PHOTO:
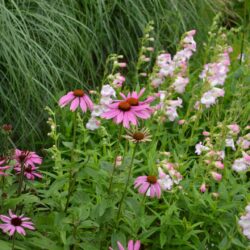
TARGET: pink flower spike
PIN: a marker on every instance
(15, 223)
(216, 176)
(149, 185)
(77, 98)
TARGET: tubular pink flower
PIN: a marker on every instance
(149, 185)
(27, 158)
(29, 172)
(15, 223)
(127, 111)
(216, 176)
(131, 245)
(76, 98)
(203, 188)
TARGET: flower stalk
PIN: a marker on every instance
(127, 183)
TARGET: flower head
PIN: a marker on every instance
(149, 185)
(27, 158)
(77, 98)
(244, 222)
(131, 245)
(138, 135)
(127, 111)
(14, 223)
(30, 172)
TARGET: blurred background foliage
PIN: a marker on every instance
(48, 47)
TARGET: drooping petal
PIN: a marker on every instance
(74, 104)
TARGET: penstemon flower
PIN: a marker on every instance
(131, 245)
(15, 223)
(77, 98)
(148, 185)
(244, 222)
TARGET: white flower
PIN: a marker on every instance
(106, 100)
(165, 180)
(93, 124)
(244, 222)
(176, 103)
(208, 99)
(107, 90)
(199, 148)
(230, 143)
(97, 111)
(243, 143)
(171, 113)
(180, 84)
(240, 165)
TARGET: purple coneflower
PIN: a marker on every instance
(77, 98)
(127, 111)
(149, 185)
(3, 167)
(27, 158)
(29, 172)
(15, 223)
(131, 245)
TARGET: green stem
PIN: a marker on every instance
(127, 183)
(114, 164)
(13, 241)
(19, 191)
(243, 32)
(71, 176)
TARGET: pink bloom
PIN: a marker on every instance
(235, 129)
(3, 168)
(203, 188)
(180, 84)
(15, 223)
(131, 245)
(149, 185)
(29, 172)
(181, 122)
(219, 165)
(27, 158)
(216, 176)
(205, 133)
(127, 111)
(77, 98)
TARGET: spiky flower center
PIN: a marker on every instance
(7, 127)
(138, 136)
(78, 93)
(16, 221)
(124, 106)
(23, 156)
(151, 179)
(133, 101)
(28, 169)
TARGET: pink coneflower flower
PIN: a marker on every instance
(29, 172)
(3, 168)
(127, 111)
(77, 98)
(131, 245)
(27, 158)
(15, 223)
(149, 185)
